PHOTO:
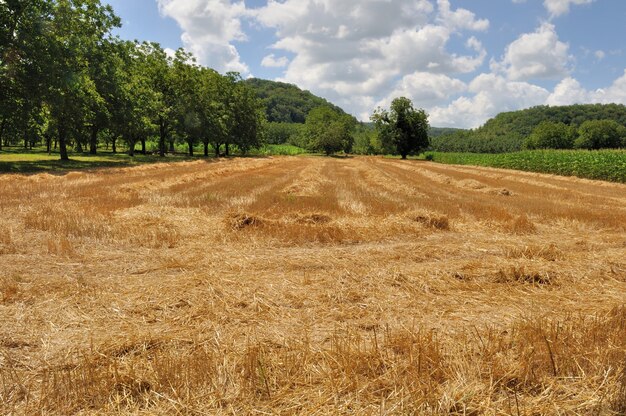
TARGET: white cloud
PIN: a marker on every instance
(567, 92)
(560, 7)
(616, 93)
(353, 52)
(425, 89)
(459, 19)
(570, 91)
(209, 28)
(492, 94)
(363, 53)
(270, 61)
(535, 55)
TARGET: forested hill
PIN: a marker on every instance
(442, 131)
(286, 102)
(507, 131)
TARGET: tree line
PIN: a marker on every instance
(512, 131)
(66, 80)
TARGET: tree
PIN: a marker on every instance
(186, 108)
(329, 131)
(403, 127)
(249, 115)
(213, 89)
(550, 135)
(600, 134)
(157, 67)
(77, 29)
(22, 53)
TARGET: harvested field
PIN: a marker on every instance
(303, 285)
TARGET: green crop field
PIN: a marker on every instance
(607, 165)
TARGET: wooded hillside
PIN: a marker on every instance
(286, 103)
(508, 131)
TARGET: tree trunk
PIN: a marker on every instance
(227, 150)
(217, 151)
(172, 148)
(162, 134)
(93, 142)
(404, 157)
(113, 144)
(2, 126)
(63, 144)
(79, 146)
(48, 144)
(143, 146)
(190, 143)
(206, 149)
(131, 149)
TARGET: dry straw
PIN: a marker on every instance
(312, 286)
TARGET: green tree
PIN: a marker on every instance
(550, 135)
(600, 134)
(403, 127)
(22, 52)
(78, 28)
(248, 115)
(187, 107)
(329, 131)
(157, 67)
(366, 141)
(213, 90)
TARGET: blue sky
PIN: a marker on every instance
(464, 61)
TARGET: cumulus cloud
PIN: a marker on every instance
(560, 7)
(363, 53)
(568, 91)
(270, 61)
(492, 94)
(356, 50)
(536, 55)
(459, 19)
(425, 89)
(209, 29)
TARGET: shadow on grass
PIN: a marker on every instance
(25, 162)
(57, 166)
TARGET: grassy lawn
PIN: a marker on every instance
(24, 161)
(19, 160)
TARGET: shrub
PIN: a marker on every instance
(600, 134)
(550, 135)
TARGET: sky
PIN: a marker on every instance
(463, 61)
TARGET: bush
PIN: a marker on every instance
(550, 135)
(600, 134)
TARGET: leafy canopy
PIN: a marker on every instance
(402, 127)
(329, 131)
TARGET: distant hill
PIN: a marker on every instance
(507, 131)
(442, 131)
(286, 102)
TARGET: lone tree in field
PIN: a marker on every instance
(402, 127)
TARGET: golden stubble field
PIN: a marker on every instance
(312, 286)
